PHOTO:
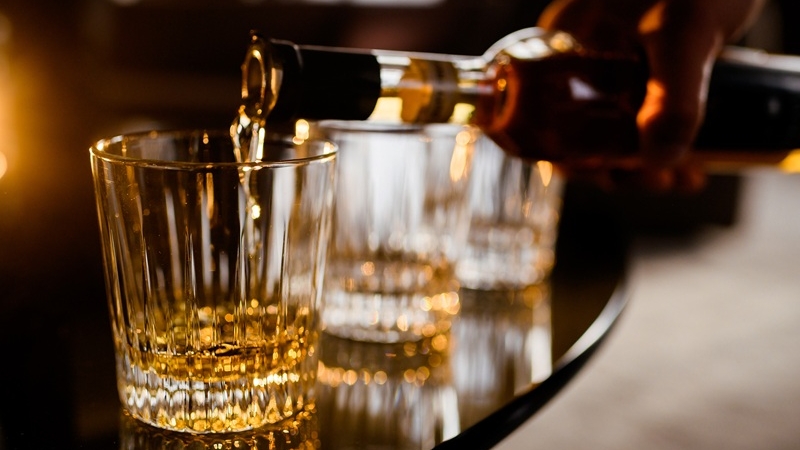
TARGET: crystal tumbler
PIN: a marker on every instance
(214, 270)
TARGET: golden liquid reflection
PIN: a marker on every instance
(508, 335)
(300, 432)
(374, 395)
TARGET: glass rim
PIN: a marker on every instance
(97, 150)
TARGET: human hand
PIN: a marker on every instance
(681, 39)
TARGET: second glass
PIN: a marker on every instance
(515, 206)
(400, 220)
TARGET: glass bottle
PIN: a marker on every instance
(538, 94)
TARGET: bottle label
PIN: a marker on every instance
(428, 91)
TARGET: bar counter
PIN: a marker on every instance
(507, 355)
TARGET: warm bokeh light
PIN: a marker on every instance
(790, 164)
(653, 102)
(463, 112)
(545, 171)
(462, 154)
(3, 164)
(7, 140)
(387, 108)
(302, 131)
(653, 19)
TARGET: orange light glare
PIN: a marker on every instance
(653, 19)
(652, 102)
(302, 131)
(3, 164)
(790, 164)
(545, 171)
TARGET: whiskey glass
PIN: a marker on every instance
(214, 271)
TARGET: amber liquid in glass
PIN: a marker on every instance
(566, 107)
(216, 369)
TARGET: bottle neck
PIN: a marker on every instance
(284, 82)
(291, 82)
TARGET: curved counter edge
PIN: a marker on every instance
(493, 429)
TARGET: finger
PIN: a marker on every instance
(680, 44)
(597, 24)
(690, 178)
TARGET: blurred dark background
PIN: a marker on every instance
(74, 71)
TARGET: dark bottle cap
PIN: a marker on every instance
(319, 84)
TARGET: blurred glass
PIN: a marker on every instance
(515, 207)
(400, 220)
(509, 337)
(386, 396)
